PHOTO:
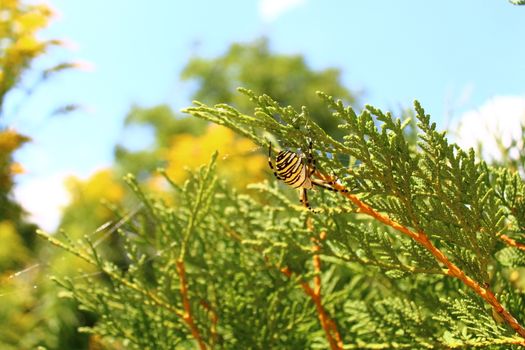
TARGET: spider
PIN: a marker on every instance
(297, 170)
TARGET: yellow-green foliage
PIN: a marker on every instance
(19, 43)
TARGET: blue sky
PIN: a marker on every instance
(452, 56)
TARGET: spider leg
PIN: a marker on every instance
(333, 182)
(304, 199)
(270, 156)
(327, 185)
(311, 160)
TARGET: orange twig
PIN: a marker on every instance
(187, 316)
(329, 326)
(512, 242)
(214, 318)
(422, 238)
(327, 323)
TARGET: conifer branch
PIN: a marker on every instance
(148, 294)
(414, 182)
(484, 343)
(187, 316)
(197, 206)
(423, 239)
(512, 242)
(329, 326)
(471, 343)
(214, 319)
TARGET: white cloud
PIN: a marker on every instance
(269, 10)
(43, 198)
(501, 116)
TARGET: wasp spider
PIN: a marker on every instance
(297, 170)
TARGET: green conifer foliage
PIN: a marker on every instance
(423, 252)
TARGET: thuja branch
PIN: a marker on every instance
(214, 319)
(423, 239)
(196, 210)
(329, 325)
(512, 242)
(184, 315)
(471, 343)
(148, 294)
(187, 316)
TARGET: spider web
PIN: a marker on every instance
(25, 282)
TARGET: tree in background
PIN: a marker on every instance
(28, 317)
(288, 79)
(18, 48)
